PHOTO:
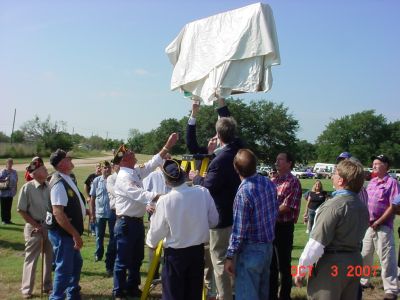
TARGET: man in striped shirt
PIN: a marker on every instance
(255, 211)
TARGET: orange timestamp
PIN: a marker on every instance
(350, 271)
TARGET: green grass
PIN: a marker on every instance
(95, 285)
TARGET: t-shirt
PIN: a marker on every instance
(316, 199)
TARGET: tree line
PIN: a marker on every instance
(266, 127)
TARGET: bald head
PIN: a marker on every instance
(245, 163)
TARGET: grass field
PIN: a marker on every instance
(95, 284)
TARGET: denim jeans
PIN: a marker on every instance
(111, 247)
(100, 227)
(252, 271)
(68, 263)
(311, 217)
(129, 236)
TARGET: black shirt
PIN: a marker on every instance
(316, 199)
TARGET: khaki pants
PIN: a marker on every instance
(381, 241)
(219, 242)
(33, 246)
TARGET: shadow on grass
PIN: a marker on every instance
(14, 227)
(12, 245)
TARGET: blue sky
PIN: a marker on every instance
(100, 66)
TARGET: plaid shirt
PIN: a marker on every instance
(381, 193)
(254, 213)
(289, 194)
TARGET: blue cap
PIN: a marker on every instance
(343, 155)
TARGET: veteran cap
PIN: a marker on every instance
(35, 164)
(119, 154)
(382, 158)
(58, 156)
(172, 170)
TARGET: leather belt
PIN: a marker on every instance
(130, 218)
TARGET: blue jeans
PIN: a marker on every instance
(311, 217)
(100, 227)
(111, 247)
(252, 271)
(68, 263)
(129, 236)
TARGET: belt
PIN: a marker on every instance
(332, 251)
(130, 218)
(40, 221)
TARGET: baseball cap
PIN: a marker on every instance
(382, 158)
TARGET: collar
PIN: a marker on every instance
(343, 192)
(38, 184)
(181, 187)
(127, 170)
(384, 179)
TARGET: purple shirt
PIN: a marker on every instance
(381, 193)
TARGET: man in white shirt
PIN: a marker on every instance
(183, 217)
(130, 205)
(64, 219)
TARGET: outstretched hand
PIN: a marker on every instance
(173, 138)
(195, 108)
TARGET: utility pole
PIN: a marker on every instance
(12, 131)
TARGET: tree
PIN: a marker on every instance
(4, 138)
(136, 140)
(361, 134)
(18, 137)
(46, 134)
(305, 152)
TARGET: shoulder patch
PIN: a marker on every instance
(70, 192)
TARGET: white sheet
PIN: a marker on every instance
(227, 53)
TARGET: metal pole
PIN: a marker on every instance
(12, 131)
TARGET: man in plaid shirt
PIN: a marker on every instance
(289, 196)
(254, 214)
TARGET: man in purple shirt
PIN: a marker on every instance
(381, 192)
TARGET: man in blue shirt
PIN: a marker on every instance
(101, 214)
(254, 214)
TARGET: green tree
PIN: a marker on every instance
(18, 137)
(46, 134)
(4, 138)
(136, 140)
(360, 133)
(305, 152)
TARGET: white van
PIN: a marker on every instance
(323, 170)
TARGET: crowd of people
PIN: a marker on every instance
(231, 221)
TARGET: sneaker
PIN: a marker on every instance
(390, 297)
(135, 293)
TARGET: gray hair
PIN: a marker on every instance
(226, 129)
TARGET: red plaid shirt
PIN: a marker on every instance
(289, 194)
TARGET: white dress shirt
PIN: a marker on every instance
(110, 189)
(183, 217)
(131, 198)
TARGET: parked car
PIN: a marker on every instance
(302, 173)
(323, 170)
(264, 170)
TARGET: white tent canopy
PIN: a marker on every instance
(227, 53)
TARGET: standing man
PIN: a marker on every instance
(183, 217)
(65, 215)
(254, 213)
(100, 209)
(381, 190)
(112, 245)
(6, 195)
(332, 254)
(87, 186)
(32, 203)
(289, 200)
(222, 181)
(130, 207)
